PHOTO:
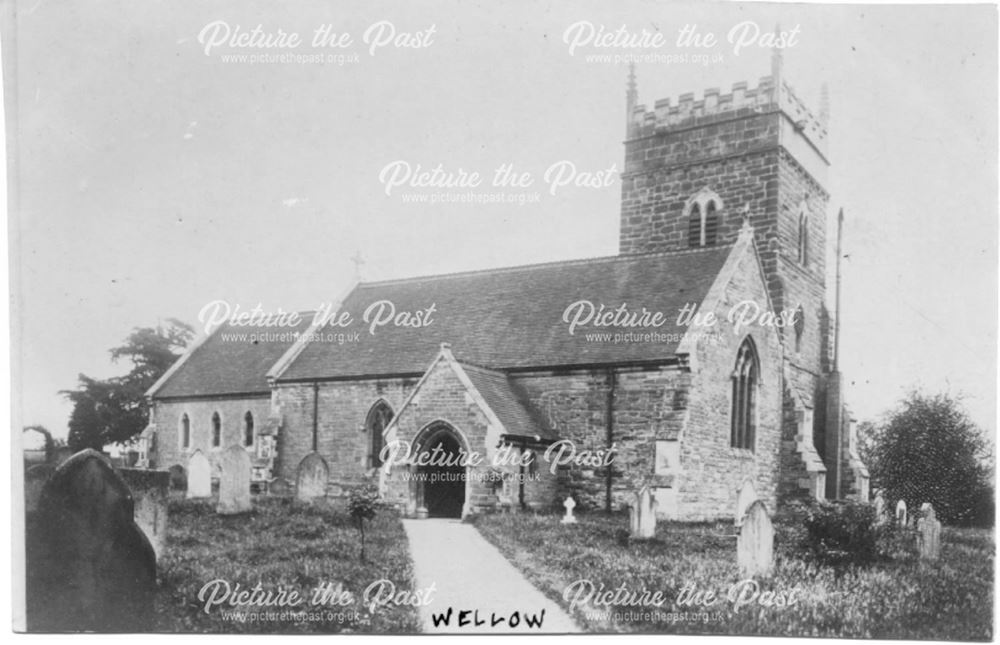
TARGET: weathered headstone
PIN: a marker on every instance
(755, 542)
(569, 505)
(199, 476)
(929, 532)
(234, 482)
(312, 477)
(745, 496)
(880, 514)
(643, 515)
(280, 488)
(150, 492)
(34, 480)
(89, 566)
(901, 514)
(178, 477)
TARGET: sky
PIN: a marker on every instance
(154, 173)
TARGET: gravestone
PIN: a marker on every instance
(929, 533)
(89, 566)
(311, 478)
(643, 515)
(280, 488)
(199, 482)
(150, 492)
(34, 480)
(569, 505)
(745, 496)
(880, 514)
(178, 477)
(755, 542)
(234, 482)
(901, 514)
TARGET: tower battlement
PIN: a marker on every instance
(741, 101)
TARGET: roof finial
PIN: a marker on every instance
(631, 97)
(358, 260)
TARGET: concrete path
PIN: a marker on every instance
(471, 576)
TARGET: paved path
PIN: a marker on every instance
(470, 575)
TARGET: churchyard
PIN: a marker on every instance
(906, 596)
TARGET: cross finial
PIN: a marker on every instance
(358, 262)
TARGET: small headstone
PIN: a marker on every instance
(199, 476)
(569, 505)
(745, 496)
(150, 492)
(178, 477)
(280, 488)
(755, 543)
(34, 480)
(234, 482)
(901, 518)
(880, 514)
(929, 532)
(312, 477)
(89, 566)
(643, 515)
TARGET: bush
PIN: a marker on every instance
(842, 532)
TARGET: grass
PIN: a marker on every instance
(951, 599)
(282, 546)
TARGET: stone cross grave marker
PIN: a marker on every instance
(311, 478)
(643, 515)
(929, 530)
(234, 482)
(89, 566)
(569, 505)
(199, 480)
(745, 496)
(755, 542)
(901, 513)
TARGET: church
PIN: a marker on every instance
(698, 361)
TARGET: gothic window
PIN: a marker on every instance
(745, 381)
(185, 431)
(248, 429)
(803, 241)
(216, 430)
(703, 215)
(800, 325)
(378, 419)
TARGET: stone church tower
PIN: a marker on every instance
(694, 171)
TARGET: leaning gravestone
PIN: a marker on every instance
(745, 496)
(901, 513)
(755, 542)
(929, 532)
(89, 566)
(199, 482)
(34, 481)
(234, 482)
(150, 492)
(311, 478)
(643, 515)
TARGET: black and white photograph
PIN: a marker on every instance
(514, 318)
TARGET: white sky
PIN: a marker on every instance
(153, 178)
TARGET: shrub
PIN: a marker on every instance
(842, 532)
(363, 505)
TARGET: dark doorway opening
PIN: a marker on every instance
(444, 479)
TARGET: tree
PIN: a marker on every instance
(363, 506)
(928, 450)
(114, 410)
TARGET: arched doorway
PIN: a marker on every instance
(443, 479)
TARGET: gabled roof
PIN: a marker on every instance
(512, 318)
(230, 360)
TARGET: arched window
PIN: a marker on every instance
(216, 430)
(800, 326)
(745, 380)
(703, 214)
(185, 431)
(378, 419)
(803, 241)
(248, 429)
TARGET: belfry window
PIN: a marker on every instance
(744, 412)
(378, 419)
(703, 215)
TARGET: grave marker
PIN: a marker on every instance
(150, 491)
(234, 482)
(755, 543)
(901, 513)
(311, 478)
(929, 532)
(643, 515)
(34, 481)
(199, 482)
(881, 516)
(569, 505)
(745, 496)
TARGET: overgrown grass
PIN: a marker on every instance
(280, 545)
(951, 599)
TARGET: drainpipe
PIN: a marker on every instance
(315, 416)
(609, 418)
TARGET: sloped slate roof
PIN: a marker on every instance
(512, 318)
(229, 362)
(509, 402)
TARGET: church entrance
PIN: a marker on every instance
(443, 480)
